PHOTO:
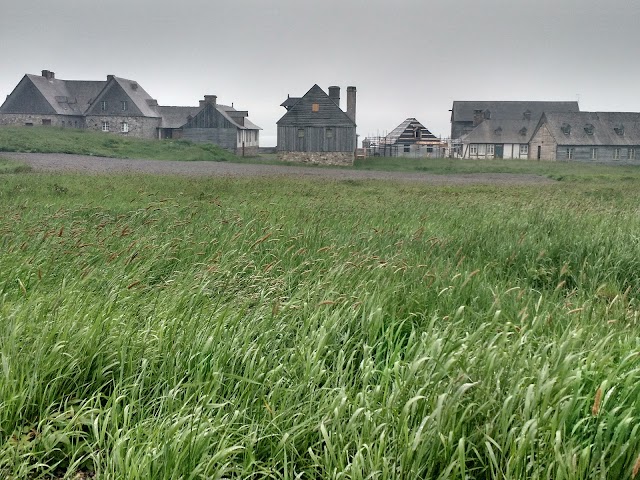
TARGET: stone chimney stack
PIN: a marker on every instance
(478, 117)
(48, 75)
(334, 94)
(201, 103)
(351, 103)
(211, 99)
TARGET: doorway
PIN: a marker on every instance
(499, 151)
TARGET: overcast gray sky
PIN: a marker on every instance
(408, 58)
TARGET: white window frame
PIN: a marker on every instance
(569, 153)
(124, 127)
(524, 149)
(105, 126)
(616, 153)
(632, 154)
(594, 153)
(103, 105)
(491, 149)
(125, 107)
(473, 149)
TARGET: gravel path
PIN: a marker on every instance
(54, 162)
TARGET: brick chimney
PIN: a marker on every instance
(351, 103)
(48, 75)
(334, 94)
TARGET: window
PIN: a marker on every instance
(429, 149)
(315, 107)
(632, 153)
(105, 126)
(473, 149)
(124, 105)
(524, 149)
(490, 149)
(594, 153)
(329, 133)
(616, 153)
(407, 148)
(569, 153)
(301, 133)
(124, 128)
(417, 133)
(103, 105)
(46, 121)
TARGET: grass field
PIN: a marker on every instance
(156, 327)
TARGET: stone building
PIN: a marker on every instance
(122, 106)
(316, 130)
(599, 137)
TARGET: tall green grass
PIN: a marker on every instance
(86, 142)
(223, 328)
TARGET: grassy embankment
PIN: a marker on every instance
(156, 327)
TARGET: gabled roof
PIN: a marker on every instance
(66, 97)
(328, 113)
(145, 103)
(406, 131)
(593, 128)
(506, 122)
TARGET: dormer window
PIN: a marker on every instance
(523, 131)
(417, 134)
(527, 115)
(619, 130)
(498, 131)
(588, 129)
(487, 114)
(566, 128)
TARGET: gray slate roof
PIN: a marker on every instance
(139, 96)
(176, 117)
(603, 126)
(328, 115)
(506, 122)
(67, 97)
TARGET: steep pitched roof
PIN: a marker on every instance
(289, 102)
(506, 122)
(593, 128)
(65, 97)
(328, 114)
(145, 103)
(406, 132)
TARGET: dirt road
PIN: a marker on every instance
(53, 162)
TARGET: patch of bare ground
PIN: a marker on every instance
(54, 162)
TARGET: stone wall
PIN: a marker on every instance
(318, 158)
(547, 144)
(22, 119)
(139, 127)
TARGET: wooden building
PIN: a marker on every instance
(598, 137)
(409, 139)
(498, 129)
(316, 130)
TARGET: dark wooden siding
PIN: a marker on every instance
(316, 139)
(209, 117)
(223, 137)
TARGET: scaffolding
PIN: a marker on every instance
(378, 146)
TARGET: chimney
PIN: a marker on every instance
(212, 99)
(201, 103)
(110, 77)
(334, 94)
(478, 117)
(351, 103)
(48, 74)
